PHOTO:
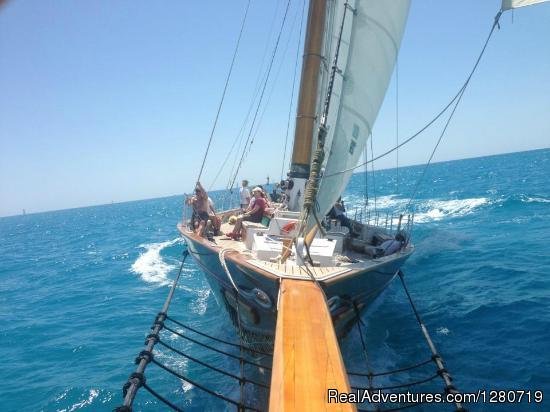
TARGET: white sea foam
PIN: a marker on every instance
(433, 210)
(93, 393)
(150, 266)
(534, 199)
(442, 330)
(201, 302)
(186, 386)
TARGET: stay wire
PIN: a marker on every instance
(137, 378)
(250, 139)
(372, 167)
(293, 87)
(457, 96)
(224, 90)
(495, 24)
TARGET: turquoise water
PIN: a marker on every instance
(80, 288)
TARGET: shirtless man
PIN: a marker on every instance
(202, 205)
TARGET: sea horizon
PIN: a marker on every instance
(219, 190)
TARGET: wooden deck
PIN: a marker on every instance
(307, 360)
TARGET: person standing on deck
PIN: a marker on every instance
(244, 194)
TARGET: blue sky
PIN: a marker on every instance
(110, 101)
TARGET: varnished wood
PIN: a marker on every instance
(307, 100)
(307, 360)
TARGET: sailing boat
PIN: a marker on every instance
(338, 104)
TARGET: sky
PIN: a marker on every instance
(107, 101)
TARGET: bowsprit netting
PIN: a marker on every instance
(423, 372)
(247, 371)
(177, 339)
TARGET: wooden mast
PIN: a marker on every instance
(309, 82)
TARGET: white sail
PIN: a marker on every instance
(514, 4)
(369, 47)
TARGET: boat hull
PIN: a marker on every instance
(347, 296)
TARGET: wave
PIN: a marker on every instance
(428, 210)
(150, 266)
(92, 394)
(434, 210)
(534, 199)
(200, 304)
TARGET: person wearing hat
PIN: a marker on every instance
(252, 214)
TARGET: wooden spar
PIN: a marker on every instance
(306, 360)
(309, 82)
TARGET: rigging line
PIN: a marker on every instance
(397, 386)
(274, 83)
(214, 338)
(397, 123)
(315, 174)
(457, 96)
(372, 168)
(262, 93)
(445, 376)
(162, 398)
(212, 348)
(262, 77)
(224, 90)
(202, 387)
(211, 367)
(391, 372)
(137, 378)
(366, 177)
(404, 142)
(417, 185)
(293, 87)
(495, 24)
(240, 134)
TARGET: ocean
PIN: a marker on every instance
(80, 288)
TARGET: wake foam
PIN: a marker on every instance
(427, 210)
(434, 210)
(150, 266)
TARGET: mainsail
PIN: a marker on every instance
(370, 41)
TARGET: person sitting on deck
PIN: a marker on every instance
(338, 212)
(202, 206)
(275, 195)
(254, 213)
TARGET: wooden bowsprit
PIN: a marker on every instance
(306, 359)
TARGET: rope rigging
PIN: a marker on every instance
(224, 91)
(457, 96)
(495, 24)
(250, 139)
(137, 379)
(293, 87)
(436, 359)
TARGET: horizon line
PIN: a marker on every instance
(27, 213)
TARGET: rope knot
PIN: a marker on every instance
(145, 355)
(153, 336)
